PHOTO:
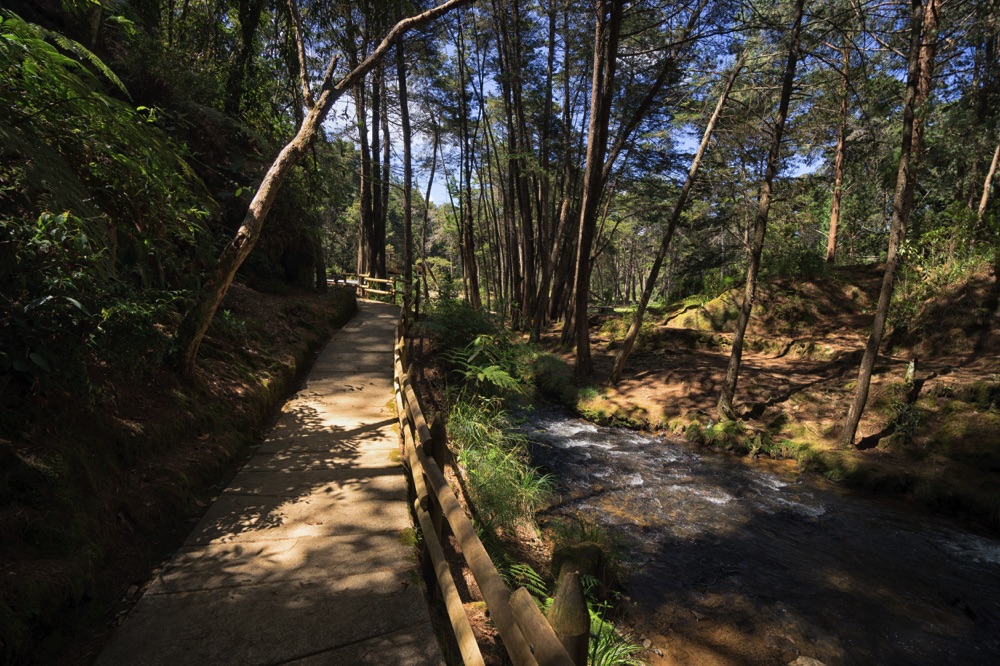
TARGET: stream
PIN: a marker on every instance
(734, 561)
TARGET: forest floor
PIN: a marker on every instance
(798, 375)
(97, 488)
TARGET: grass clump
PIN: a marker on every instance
(506, 490)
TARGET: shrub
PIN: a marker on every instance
(455, 324)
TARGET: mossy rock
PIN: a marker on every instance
(718, 315)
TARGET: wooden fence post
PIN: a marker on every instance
(439, 443)
(439, 439)
(569, 617)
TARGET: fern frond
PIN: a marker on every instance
(83, 53)
(527, 577)
(30, 34)
(48, 179)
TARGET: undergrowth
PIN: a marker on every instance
(489, 372)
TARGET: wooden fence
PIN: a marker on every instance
(366, 285)
(528, 636)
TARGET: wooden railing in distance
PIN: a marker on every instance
(527, 636)
(365, 285)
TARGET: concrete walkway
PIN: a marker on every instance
(302, 559)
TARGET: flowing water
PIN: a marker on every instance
(730, 561)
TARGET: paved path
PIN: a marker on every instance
(301, 559)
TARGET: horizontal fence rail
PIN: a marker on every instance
(365, 285)
(527, 636)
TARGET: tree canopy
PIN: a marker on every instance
(527, 156)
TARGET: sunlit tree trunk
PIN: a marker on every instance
(725, 407)
(838, 160)
(606, 34)
(384, 180)
(546, 304)
(375, 173)
(366, 219)
(897, 232)
(425, 269)
(985, 200)
(404, 118)
(467, 237)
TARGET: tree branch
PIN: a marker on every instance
(300, 45)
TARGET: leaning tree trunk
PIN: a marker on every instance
(897, 234)
(725, 407)
(195, 324)
(985, 200)
(675, 216)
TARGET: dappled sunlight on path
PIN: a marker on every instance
(301, 559)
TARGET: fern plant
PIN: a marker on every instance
(101, 216)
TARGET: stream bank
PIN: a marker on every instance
(730, 561)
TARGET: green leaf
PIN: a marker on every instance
(40, 361)
(78, 305)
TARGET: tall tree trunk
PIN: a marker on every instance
(523, 182)
(897, 233)
(985, 200)
(554, 284)
(466, 224)
(381, 229)
(558, 220)
(725, 407)
(633, 332)
(404, 118)
(425, 269)
(838, 160)
(366, 219)
(195, 324)
(606, 34)
(928, 53)
(517, 225)
(249, 12)
(668, 72)
(375, 175)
